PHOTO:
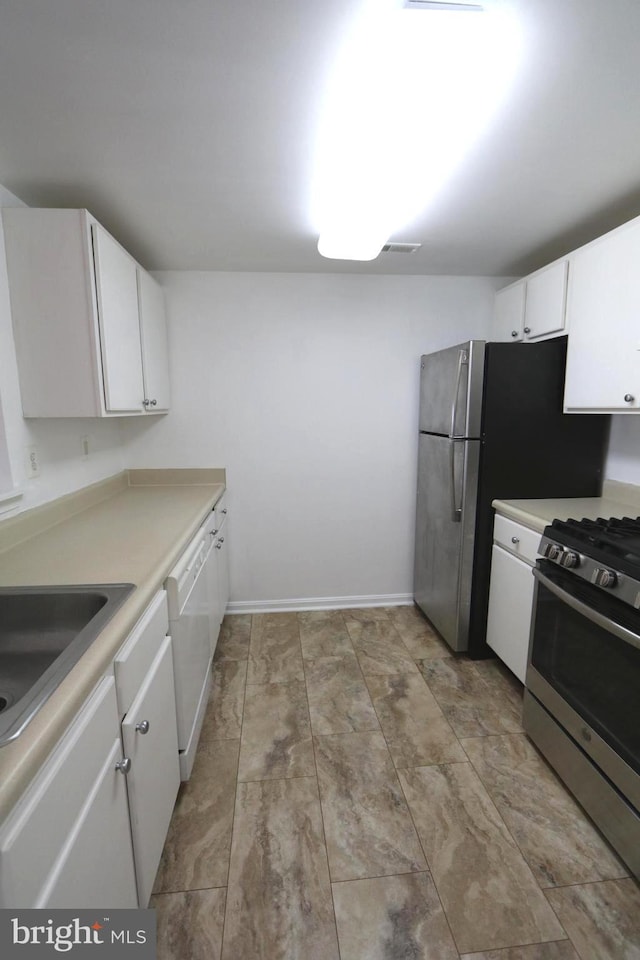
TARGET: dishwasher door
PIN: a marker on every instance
(191, 651)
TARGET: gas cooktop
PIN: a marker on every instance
(605, 552)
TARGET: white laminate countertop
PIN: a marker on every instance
(618, 500)
(135, 534)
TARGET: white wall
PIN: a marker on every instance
(57, 442)
(623, 461)
(305, 388)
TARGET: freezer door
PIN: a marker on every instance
(445, 524)
(451, 390)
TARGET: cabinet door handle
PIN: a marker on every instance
(143, 726)
(629, 398)
(527, 329)
(514, 333)
(145, 402)
(515, 539)
(224, 510)
(219, 545)
(154, 403)
(124, 765)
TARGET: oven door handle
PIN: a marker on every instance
(588, 612)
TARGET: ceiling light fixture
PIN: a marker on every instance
(412, 88)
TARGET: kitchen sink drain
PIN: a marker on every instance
(4, 702)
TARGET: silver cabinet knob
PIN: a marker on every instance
(219, 545)
(154, 403)
(629, 398)
(145, 402)
(514, 333)
(515, 539)
(221, 540)
(124, 765)
(213, 532)
(527, 329)
(143, 726)
(224, 510)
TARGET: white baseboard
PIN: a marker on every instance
(319, 603)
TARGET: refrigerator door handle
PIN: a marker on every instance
(463, 360)
(456, 511)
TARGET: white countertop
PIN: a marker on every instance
(618, 500)
(135, 535)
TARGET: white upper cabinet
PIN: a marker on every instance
(119, 324)
(77, 314)
(509, 313)
(603, 359)
(533, 308)
(153, 335)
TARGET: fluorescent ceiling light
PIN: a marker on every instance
(410, 92)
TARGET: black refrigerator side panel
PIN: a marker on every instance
(530, 449)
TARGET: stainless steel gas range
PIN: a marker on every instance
(582, 696)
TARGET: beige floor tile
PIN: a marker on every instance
(473, 706)
(368, 828)
(365, 613)
(196, 851)
(276, 733)
(413, 724)
(223, 719)
(417, 634)
(274, 653)
(339, 701)
(502, 681)
(234, 638)
(559, 950)
(487, 890)
(279, 897)
(379, 648)
(323, 634)
(602, 919)
(392, 918)
(558, 841)
(189, 925)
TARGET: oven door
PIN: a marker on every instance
(584, 667)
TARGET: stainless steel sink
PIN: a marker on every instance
(43, 632)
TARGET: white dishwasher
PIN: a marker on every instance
(189, 616)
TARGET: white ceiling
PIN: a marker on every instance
(187, 128)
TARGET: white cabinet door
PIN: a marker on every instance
(67, 842)
(545, 301)
(510, 607)
(150, 740)
(509, 313)
(603, 306)
(223, 571)
(95, 869)
(153, 335)
(117, 291)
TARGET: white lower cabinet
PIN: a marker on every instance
(90, 828)
(150, 742)
(67, 843)
(218, 530)
(146, 702)
(511, 593)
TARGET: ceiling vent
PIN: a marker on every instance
(401, 247)
(444, 5)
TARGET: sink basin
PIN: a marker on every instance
(43, 632)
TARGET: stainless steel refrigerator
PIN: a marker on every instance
(491, 427)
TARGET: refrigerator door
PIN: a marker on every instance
(446, 509)
(451, 390)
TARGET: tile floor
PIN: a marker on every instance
(360, 794)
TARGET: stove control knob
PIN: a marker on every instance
(569, 559)
(604, 578)
(552, 551)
